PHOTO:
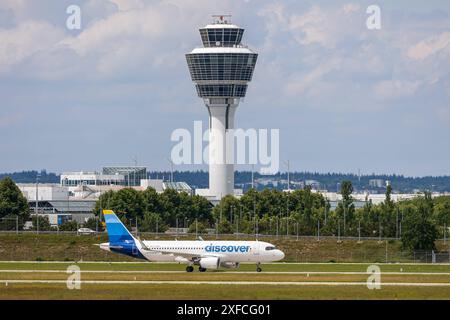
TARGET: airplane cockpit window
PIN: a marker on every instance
(270, 248)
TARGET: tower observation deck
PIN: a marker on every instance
(221, 70)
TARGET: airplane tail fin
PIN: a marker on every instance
(117, 232)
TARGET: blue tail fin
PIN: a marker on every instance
(117, 232)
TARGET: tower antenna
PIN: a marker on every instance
(221, 18)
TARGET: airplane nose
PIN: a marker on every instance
(280, 255)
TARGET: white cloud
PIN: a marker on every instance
(25, 40)
(125, 5)
(430, 46)
(299, 86)
(350, 8)
(395, 88)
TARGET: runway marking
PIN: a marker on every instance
(228, 272)
(295, 283)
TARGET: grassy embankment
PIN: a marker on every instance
(70, 247)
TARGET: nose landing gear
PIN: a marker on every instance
(258, 268)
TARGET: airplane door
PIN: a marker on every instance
(255, 250)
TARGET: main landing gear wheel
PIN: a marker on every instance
(201, 269)
(189, 268)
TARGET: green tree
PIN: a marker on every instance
(103, 202)
(44, 224)
(442, 213)
(152, 222)
(93, 224)
(69, 226)
(151, 200)
(225, 227)
(128, 203)
(200, 227)
(388, 214)
(419, 232)
(227, 208)
(346, 209)
(12, 201)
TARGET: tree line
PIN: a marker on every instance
(417, 222)
(327, 181)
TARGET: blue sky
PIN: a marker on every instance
(343, 97)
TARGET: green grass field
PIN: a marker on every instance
(169, 281)
(328, 270)
(70, 247)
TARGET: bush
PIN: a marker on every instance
(42, 221)
(69, 226)
(201, 227)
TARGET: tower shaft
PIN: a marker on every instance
(221, 165)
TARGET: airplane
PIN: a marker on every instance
(206, 254)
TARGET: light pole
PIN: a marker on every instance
(37, 202)
(171, 169)
(253, 177)
(231, 214)
(237, 228)
(217, 229)
(196, 229)
(136, 226)
(287, 163)
(359, 231)
(379, 229)
(318, 230)
(287, 214)
(277, 227)
(345, 213)
(445, 233)
(339, 230)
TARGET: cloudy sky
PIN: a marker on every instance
(343, 97)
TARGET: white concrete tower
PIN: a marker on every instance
(221, 70)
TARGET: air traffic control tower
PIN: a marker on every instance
(221, 70)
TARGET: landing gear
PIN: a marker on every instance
(201, 269)
(258, 268)
(189, 268)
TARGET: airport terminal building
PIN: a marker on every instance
(75, 196)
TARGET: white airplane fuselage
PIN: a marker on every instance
(205, 254)
(227, 251)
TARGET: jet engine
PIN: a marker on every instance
(230, 265)
(210, 263)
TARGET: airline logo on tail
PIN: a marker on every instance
(117, 232)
